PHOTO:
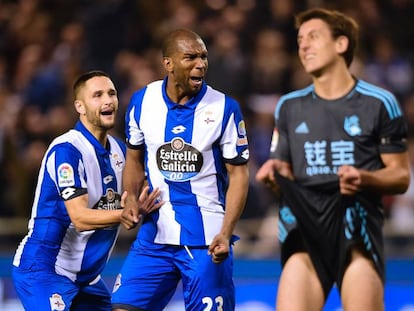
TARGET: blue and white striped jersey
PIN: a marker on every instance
(75, 163)
(186, 148)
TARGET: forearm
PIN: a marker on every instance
(133, 183)
(385, 181)
(84, 218)
(235, 199)
(394, 178)
(133, 175)
(91, 219)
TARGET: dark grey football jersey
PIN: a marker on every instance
(318, 136)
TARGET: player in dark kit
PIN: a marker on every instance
(338, 145)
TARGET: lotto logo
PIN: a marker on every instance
(67, 193)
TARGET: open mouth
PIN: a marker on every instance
(107, 112)
(197, 80)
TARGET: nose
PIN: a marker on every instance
(110, 99)
(201, 63)
(303, 44)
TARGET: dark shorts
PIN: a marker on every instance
(328, 226)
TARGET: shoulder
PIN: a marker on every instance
(69, 143)
(296, 94)
(214, 95)
(67, 140)
(383, 96)
(153, 86)
(292, 96)
(370, 89)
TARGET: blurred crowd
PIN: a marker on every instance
(45, 44)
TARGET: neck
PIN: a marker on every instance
(99, 133)
(176, 92)
(101, 137)
(177, 95)
(334, 84)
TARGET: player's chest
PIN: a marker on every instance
(200, 127)
(331, 122)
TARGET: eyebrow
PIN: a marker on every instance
(194, 54)
(311, 32)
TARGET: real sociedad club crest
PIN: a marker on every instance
(351, 126)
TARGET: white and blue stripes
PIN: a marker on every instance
(52, 240)
(195, 140)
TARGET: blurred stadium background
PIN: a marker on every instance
(45, 44)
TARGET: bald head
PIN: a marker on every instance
(170, 44)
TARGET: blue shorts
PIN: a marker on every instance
(40, 290)
(151, 272)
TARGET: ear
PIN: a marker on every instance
(168, 64)
(342, 44)
(80, 108)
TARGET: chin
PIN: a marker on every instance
(108, 125)
(316, 72)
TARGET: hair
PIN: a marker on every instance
(169, 46)
(81, 80)
(339, 24)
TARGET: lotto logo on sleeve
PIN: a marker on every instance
(65, 175)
